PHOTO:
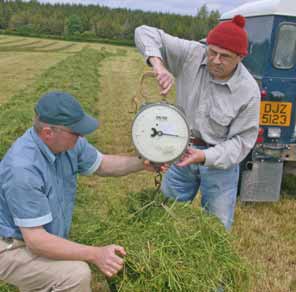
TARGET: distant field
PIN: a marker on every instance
(23, 60)
(264, 233)
(20, 69)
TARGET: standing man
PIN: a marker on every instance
(37, 196)
(221, 101)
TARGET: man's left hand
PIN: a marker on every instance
(191, 156)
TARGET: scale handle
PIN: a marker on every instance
(140, 95)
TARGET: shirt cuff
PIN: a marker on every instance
(33, 222)
(210, 156)
(151, 52)
(95, 166)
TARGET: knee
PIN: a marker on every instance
(81, 273)
(76, 279)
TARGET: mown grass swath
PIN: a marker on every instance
(170, 246)
(177, 248)
(78, 74)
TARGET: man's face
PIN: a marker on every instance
(59, 138)
(221, 62)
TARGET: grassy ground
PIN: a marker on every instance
(21, 69)
(264, 233)
(266, 236)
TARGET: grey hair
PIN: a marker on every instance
(38, 125)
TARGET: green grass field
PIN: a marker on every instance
(264, 234)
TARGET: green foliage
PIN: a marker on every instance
(74, 25)
(88, 35)
(83, 37)
(289, 184)
(37, 19)
(7, 288)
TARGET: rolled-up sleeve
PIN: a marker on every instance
(89, 158)
(26, 198)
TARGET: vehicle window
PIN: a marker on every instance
(259, 31)
(284, 56)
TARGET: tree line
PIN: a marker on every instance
(95, 22)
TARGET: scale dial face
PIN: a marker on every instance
(160, 132)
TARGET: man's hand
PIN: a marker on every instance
(164, 77)
(191, 156)
(149, 166)
(108, 259)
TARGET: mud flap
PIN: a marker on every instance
(261, 182)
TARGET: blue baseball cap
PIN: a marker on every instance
(61, 108)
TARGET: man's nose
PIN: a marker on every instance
(217, 59)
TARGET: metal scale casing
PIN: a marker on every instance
(160, 131)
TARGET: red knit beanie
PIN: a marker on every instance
(230, 35)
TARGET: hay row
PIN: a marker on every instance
(171, 247)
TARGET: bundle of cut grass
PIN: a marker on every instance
(171, 247)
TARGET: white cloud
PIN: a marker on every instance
(189, 7)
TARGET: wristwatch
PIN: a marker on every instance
(160, 132)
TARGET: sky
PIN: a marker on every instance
(184, 7)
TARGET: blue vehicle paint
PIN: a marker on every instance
(271, 27)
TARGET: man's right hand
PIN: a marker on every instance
(164, 77)
(107, 259)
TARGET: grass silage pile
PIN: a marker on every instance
(171, 247)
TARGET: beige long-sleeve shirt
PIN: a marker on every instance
(225, 114)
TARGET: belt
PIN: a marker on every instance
(199, 142)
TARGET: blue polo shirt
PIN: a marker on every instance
(38, 187)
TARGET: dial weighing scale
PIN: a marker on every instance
(160, 131)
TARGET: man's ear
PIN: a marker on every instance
(241, 57)
(46, 134)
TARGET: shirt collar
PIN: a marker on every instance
(50, 156)
(233, 81)
(204, 61)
